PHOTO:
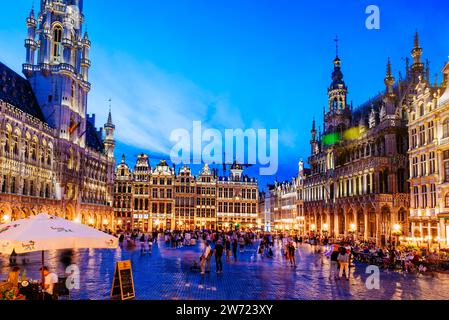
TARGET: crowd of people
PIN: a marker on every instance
(342, 253)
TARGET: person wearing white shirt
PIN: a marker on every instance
(205, 258)
(50, 279)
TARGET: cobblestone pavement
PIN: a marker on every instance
(165, 274)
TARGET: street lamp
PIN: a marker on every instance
(397, 231)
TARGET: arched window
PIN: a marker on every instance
(446, 128)
(57, 44)
(421, 110)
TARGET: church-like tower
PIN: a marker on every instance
(338, 117)
(57, 66)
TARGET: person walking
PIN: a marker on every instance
(334, 262)
(228, 249)
(218, 251)
(291, 254)
(343, 260)
(142, 244)
(242, 244)
(234, 248)
(205, 258)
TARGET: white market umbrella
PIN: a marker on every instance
(44, 232)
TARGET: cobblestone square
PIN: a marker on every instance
(166, 275)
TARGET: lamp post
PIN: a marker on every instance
(397, 231)
(352, 230)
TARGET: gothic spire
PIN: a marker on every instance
(389, 79)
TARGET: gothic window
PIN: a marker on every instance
(423, 165)
(446, 128)
(414, 139)
(57, 44)
(433, 196)
(416, 197)
(415, 167)
(421, 110)
(432, 162)
(446, 171)
(430, 131)
(422, 135)
(424, 196)
(70, 160)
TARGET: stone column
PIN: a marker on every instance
(365, 216)
(378, 226)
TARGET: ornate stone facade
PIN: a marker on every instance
(358, 184)
(429, 160)
(52, 158)
(183, 201)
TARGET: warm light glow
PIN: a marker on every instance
(352, 227)
(91, 221)
(226, 225)
(296, 226)
(119, 222)
(6, 218)
(157, 222)
(77, 220)
(313, 227)
(397, 228)
(105, 221)
(325, 227)
(181, 223)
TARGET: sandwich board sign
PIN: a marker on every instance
(123, 283)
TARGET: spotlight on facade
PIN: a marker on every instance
(6, 218)
(352, 227)
(325, 227)
(77, 220)
(312, 227)
(105, 222)
(397, 228)
(91, 221)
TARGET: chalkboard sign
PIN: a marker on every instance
(123, 284)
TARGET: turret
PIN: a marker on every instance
(30, 43)
(109, 142)
(417, 68)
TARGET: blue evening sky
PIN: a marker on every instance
(235, 63)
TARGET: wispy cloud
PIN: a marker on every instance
(148, 102)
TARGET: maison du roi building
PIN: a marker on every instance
(381, 171)
(52, 158)
(159, 198)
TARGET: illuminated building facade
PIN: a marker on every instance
(358, 185)
(52, 158)
(182, 201)
(206, 200)
(185, 199)
(238, 200)
(429, 158)
(123, 195)
(162, 197)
